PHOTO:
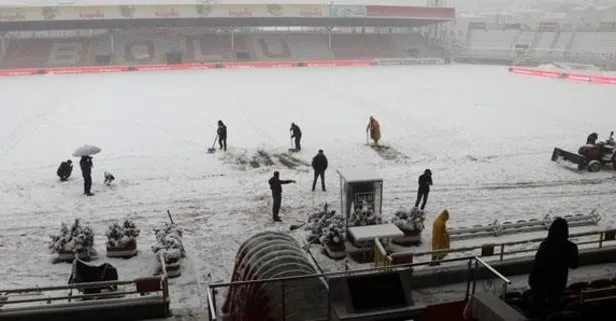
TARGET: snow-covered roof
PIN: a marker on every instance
(362, 174)
(24, 3)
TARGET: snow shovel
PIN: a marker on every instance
(213, 150)
(296, 226)
(292, 150)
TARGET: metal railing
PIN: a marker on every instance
(488, 250)
(163, 287)
(505, 281)
(474, 263)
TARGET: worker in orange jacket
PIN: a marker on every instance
(440, 237)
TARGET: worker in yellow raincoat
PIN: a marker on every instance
(440, 237)
(374, 129)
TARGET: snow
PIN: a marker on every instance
(486, 134)
(368, 233)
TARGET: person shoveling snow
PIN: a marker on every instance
(374, 128)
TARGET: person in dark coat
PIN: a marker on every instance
(222, 135)
(425, 181)
(592, 139)
(319, 164)
(548, 276)
(296, 133)
(109, 178)
(275, 184)
(86, 171)
(65, 170)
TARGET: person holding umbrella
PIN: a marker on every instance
(86, 172)
(86, 165)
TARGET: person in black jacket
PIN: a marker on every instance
(222, 135)
(275, 184)
(297, 134)
(319, 164)
(86, 171)
(65, 170)
(548, 276)
(425, 181)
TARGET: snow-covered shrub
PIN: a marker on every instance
(364, 215)
(409, 221)
(120, 235)
(60, 242)
(78, 239)
(318, 220)
(169, 243)
(334, 232)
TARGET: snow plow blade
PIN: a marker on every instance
(577, 159)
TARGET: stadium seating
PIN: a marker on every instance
(594, 301)
(144, 48)
(364, 46)
(295, 47)
(214, 48)
(546, 41)
(413, 45)
(496, 43)
(549, 41)
(526, 38)
(152, 46)
(600, 44)
(32, 53)
(560, 48)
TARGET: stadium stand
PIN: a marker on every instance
(600, 44)
(291, 47)
(593, 300)
(153, 46)
(413, 45)
(561, 46)
(364, 46)
(545, 41)
(27, 53)
(526, 39)
(494, 40)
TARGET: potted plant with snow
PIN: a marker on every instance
(169, 246)
(317, 221)
(411, 224)
(364, 215)
(122, 239)
(333, 237)
(78, 241)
